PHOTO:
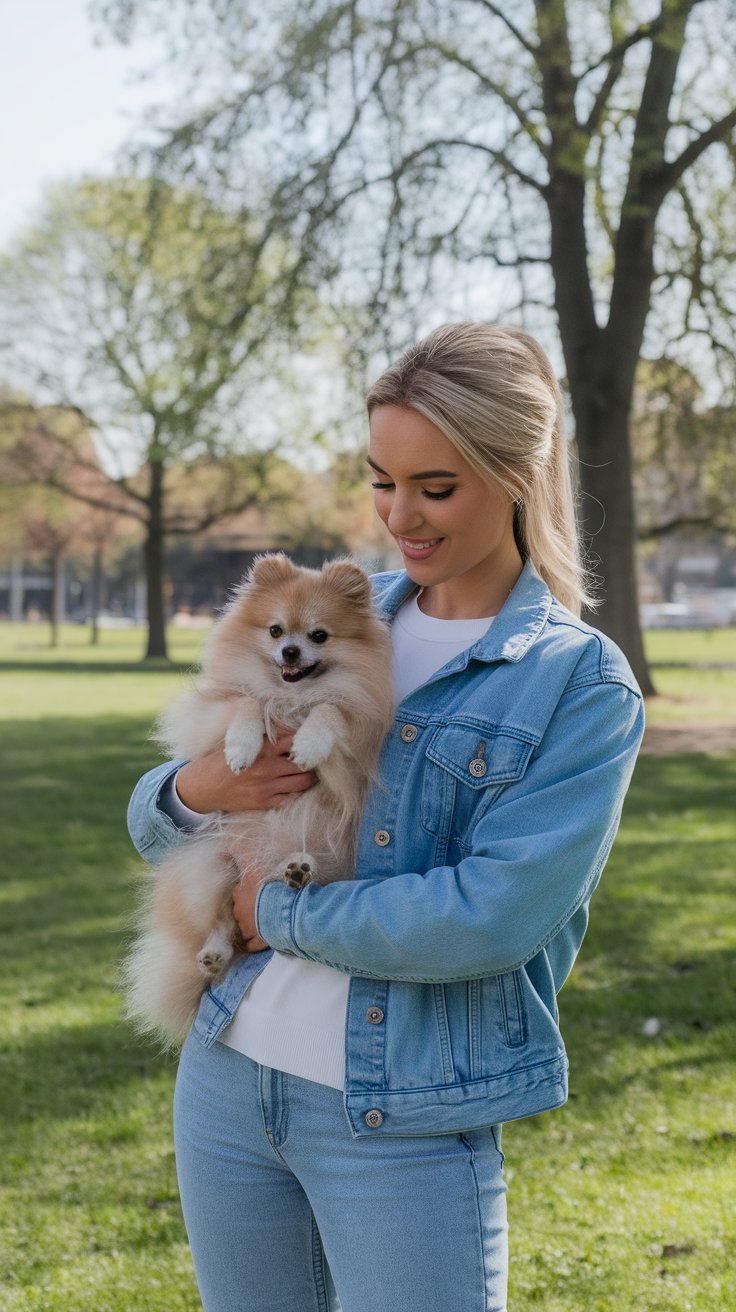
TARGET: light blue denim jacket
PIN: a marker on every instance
(500, 795)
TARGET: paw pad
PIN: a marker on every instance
(209, 963)
(297, 874)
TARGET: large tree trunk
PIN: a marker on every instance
(608, 516)
(601, 362)
(154, 557)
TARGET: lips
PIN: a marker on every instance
(419, 550)
(291, 675)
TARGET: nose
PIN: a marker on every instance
(404, 515)
(291, 654)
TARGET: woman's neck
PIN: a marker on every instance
(468, 598)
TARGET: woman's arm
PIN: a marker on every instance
(209, 785)
(537, 856)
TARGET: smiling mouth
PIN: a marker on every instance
(419, 546)
(290, 675)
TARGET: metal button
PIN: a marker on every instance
(409, 733)
(382, 837)
(478, 767)
(374, 1015)
(374, 1118)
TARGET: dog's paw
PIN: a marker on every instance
(216, 955)
(243, 742)
(312, 744)
(210, 964)
(297, 874)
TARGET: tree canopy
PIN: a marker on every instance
(147, 311)
(457, 158)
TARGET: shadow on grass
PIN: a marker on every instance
(69, 1072)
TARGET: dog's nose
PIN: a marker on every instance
(291, 654)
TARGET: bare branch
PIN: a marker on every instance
(652, 532)
(498, 12)
(507, 165)
(717, 132)
(495, 88)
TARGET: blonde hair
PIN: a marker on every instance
(492, 392)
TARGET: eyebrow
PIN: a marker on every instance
(427, 473)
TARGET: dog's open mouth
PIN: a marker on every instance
(290, 675)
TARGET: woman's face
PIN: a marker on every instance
(453, 528)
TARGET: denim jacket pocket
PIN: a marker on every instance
(466, 767)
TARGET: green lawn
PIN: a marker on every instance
(623, 1200)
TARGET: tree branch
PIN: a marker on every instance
(656, 531)
(498, 12)
(498, 156)
(718, 131)
(495, 88)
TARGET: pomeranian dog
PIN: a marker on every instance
(299, 649)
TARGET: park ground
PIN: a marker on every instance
(625, 1199)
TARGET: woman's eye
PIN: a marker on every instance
(319, 635)
(381, 486)
(275, 630)
(439, 496)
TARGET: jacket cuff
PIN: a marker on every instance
(275, 908)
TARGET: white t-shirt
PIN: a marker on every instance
(293, 1015)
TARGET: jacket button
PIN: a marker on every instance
(478, 767)
(409, 733)
(374, 1015)
(374, 1118)
(382, 837)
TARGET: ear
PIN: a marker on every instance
(267, 571)
(349, 580)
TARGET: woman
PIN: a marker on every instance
(338, 1117)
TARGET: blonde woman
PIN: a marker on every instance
(340, 1099)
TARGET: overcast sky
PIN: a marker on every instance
(65, 104)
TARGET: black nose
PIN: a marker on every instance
(291, 654)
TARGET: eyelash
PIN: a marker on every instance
(433, 496)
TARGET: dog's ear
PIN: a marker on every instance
(349, 580)
(267, 571)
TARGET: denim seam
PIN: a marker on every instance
(318, 1269)
(471, 1152)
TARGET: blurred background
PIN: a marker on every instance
(218, 222)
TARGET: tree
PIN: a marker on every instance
(683, 453)
(584, 149)
(144, 311)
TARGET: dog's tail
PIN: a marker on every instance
(162, 988)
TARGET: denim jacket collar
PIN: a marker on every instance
(514, 630)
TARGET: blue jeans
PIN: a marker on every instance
(287, 1212)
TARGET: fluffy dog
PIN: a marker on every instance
(298, 648)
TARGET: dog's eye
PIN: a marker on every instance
(319, 635)
(275, 630)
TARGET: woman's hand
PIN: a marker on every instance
(209, 784)
(244, 910)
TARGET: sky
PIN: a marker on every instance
(66, 104)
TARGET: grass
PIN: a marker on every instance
(624, 1199)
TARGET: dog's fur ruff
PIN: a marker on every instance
(340, 708)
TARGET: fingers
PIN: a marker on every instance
(255, 944)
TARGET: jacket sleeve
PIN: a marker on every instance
(153, 831)
(537, 854)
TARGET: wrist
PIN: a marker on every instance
(190, 788)
(274, 909)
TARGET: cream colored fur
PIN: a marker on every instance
(340, 713)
